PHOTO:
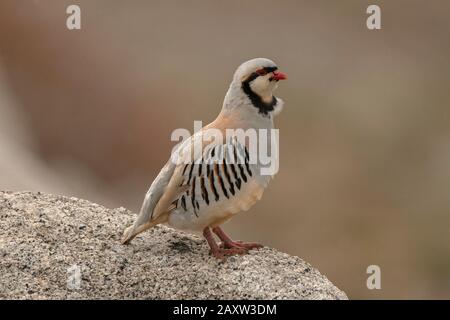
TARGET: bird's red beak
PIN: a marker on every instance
(278, 75)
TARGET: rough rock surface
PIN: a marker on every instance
(45, 239)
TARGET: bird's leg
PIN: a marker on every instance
(218, 252)
(228, 243)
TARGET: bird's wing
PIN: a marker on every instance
(157, 200)
(154, 193)
(145, 218)
(220, 174)
(192, 160)
(168, 185)
(191, 152)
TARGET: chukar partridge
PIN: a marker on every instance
(207, 181)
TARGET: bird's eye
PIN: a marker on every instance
(261, 72)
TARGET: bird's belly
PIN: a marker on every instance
(217, 212)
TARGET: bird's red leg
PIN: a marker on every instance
(228, 243)
(218, 252)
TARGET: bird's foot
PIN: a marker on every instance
(240, 244)
(222, 253)
(249, 245)
(227, 242)
(227, 247)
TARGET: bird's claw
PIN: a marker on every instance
(224, 253)
(240, 244)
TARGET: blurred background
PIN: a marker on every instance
(365, 133)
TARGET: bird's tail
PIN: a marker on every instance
(134, 230)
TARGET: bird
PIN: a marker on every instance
(208, 181)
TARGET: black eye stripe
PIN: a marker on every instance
(270, 69)
(255, 75)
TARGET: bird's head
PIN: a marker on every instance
(256, 80)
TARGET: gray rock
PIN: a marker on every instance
(54, 247)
